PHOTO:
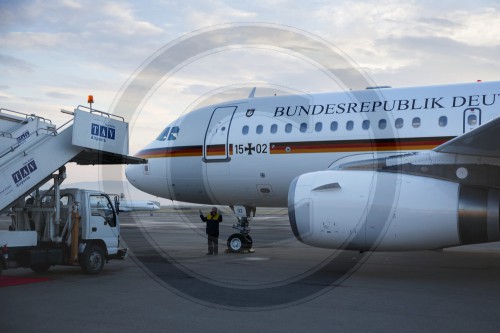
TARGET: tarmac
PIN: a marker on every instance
(169, 284)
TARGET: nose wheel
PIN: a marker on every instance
(239, 243)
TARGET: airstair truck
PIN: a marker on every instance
(59, 226)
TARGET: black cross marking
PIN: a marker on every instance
(249, 149)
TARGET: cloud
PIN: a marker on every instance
(4, 96)
(389, 37)
(434, 60)
(120, 20)
(16, 13)
(70, 4)
(476, 28)
(35, 40)
(72, 25)
(61, 95)
(213, 12)
(9, 63)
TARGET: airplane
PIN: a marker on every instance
(138, 205)
(380, 169)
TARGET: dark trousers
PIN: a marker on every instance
(213, 244)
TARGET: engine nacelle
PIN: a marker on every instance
(379, 211)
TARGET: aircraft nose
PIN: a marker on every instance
(132, 172)
(140, 178)
(147, 179)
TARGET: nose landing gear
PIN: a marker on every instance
(241, 242)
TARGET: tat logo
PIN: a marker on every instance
(23, 137)
(101, 133)
(22, 175)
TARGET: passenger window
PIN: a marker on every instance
(303, 127)
(334, 126)
(382, 124)
(366, 124)
(399, 123)
(349, 125)
(443, 121)
(173, 133)
(472, 120)
(164, 134)
(259, 129)
(244, 130)
(288, 128)
(274, 128)
(318, 127)
(415, 122)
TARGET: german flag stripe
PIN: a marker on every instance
(356, 145)
(216, 150)
(171, 152)
(298, 147)
(212, 150)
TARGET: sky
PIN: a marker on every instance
(53, 53)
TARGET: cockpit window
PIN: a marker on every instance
(173, 133)
(163, 135)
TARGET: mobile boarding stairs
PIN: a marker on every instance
(32, 148)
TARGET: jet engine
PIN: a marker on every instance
(384, 211)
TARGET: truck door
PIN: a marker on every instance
(216, 147)
(472, 119)
(103, 221)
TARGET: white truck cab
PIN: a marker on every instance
(82, 227)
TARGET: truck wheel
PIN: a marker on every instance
(93, 260)
(40, 268)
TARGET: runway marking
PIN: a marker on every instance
(9, 281)
(254, 258)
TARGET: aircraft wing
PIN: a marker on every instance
(482, 141)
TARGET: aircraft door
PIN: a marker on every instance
(472, 119)
(216, 147)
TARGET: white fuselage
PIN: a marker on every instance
(248, 151)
